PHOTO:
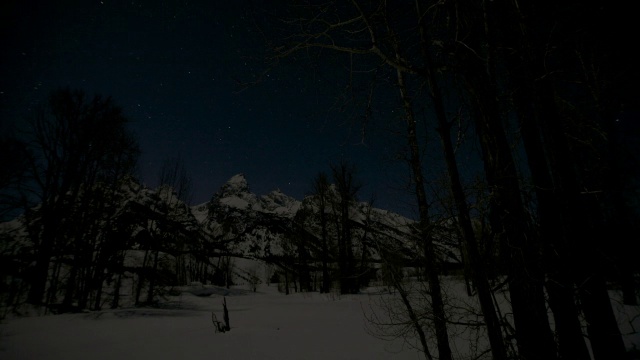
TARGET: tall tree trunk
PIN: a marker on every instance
(286, 281)
(519, 252)
(413, 316)
(540, 124)
(602, 326)
(343, 175)
(46, 243)
(84, 287)
(142, 274)
(70, 290)
(478, 273)
(55, 279)
(98, 281)
(153, 277)
(533, 100)
(347, 251)
(430, 266)
(584, 226)
(116, 290)
(553, 226)
(342, 259)
(508, 221)
(303, 262)
(326, 281)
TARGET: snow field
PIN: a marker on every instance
(264, 325)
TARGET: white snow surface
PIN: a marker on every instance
(264, 325)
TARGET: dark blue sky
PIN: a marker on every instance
(174, 66)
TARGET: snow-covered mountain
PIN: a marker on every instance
(244, 224)
(133, 237)
(235, 195)
(264, 227)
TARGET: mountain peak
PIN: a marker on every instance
(237, 179)
(237, 184)
(279, 203)
(235, 193)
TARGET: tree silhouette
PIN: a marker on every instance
(562, 72)
(347, 189)
(321, 192)
(78, 144)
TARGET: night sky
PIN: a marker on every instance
(175, 67)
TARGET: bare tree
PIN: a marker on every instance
(320, 190)
(175, 177)
(14, 175)
(392, 265)
(174, 174)
(347, 189)
(72, 146)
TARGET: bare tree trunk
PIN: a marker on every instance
(478, 273)
(43, 256)
(98, 300)
(67, 302)
(153, 277)
(286, 281)
(141, 275)
(326, 280)
(520, 253)
(343, 175)
(602, 326)
(321, 187)
(579, 249)
(55, 279)
(431, 269)
(413, 317)
(116, 291)
(553, 224)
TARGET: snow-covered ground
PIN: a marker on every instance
(264, 325)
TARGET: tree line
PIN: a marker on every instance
(75, 213)
(90, 235)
